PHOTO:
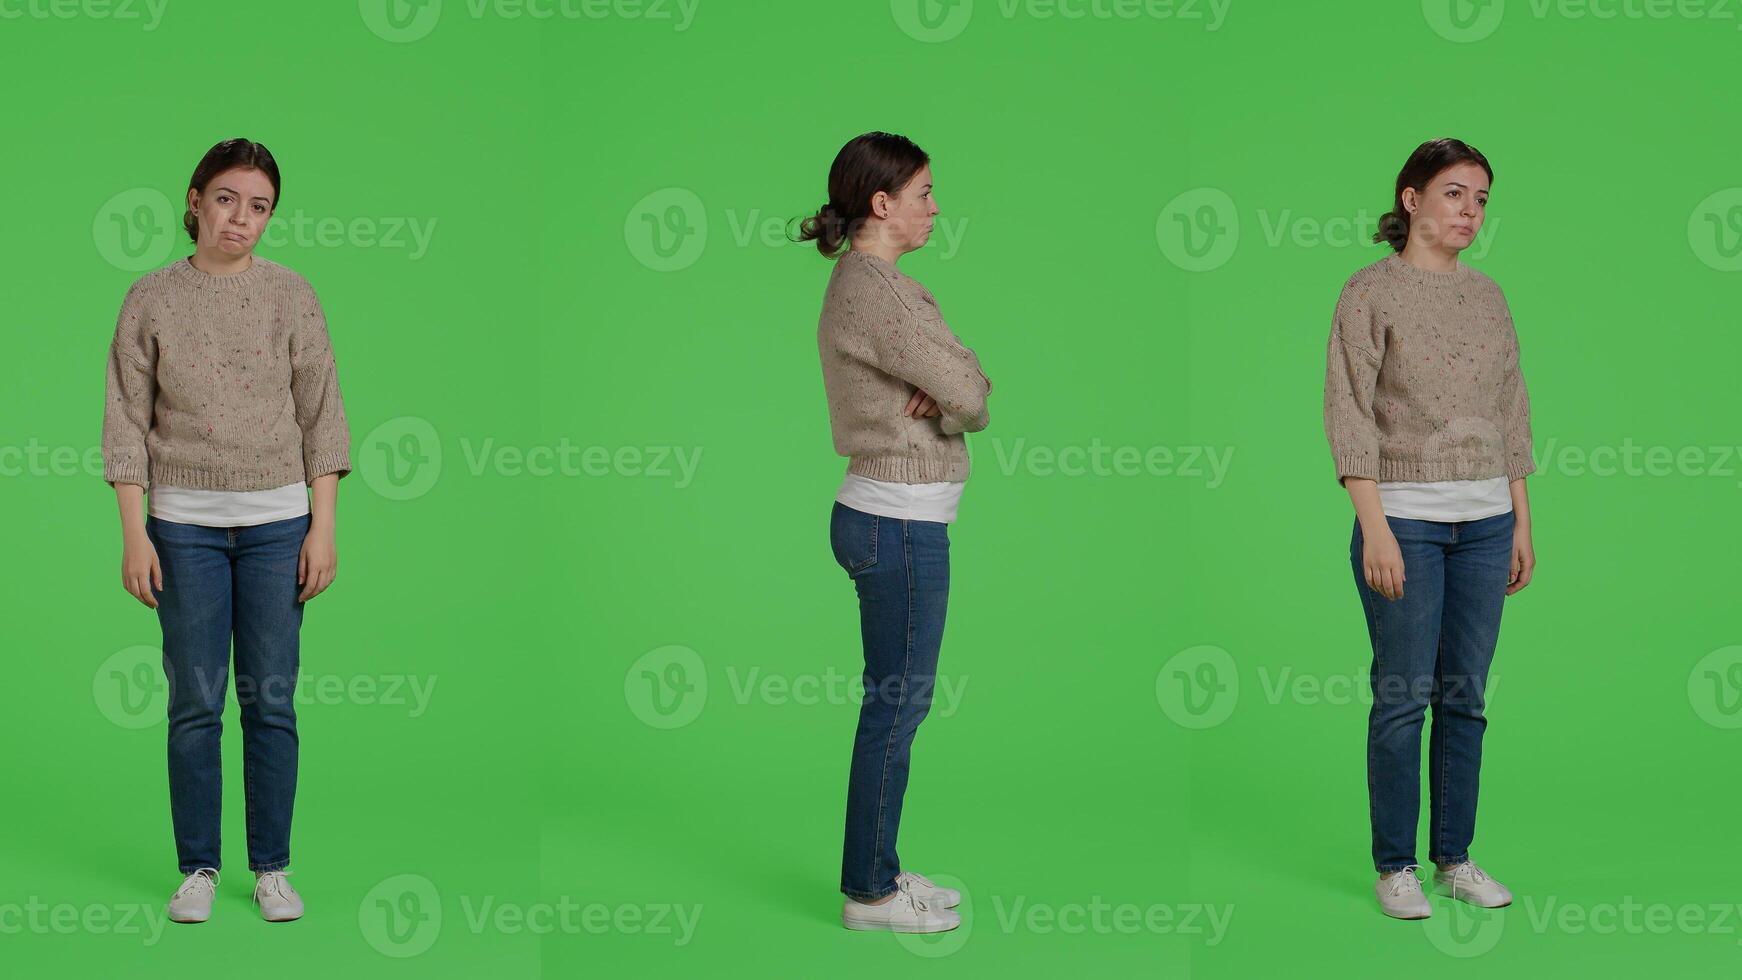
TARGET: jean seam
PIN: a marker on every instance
(895, 722)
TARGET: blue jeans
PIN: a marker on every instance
(901, 570)
(219, 582)
(1432, 647)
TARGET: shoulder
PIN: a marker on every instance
(280, 276)
(1484, 282)
(1372, 276)
(863, 277)
(154, 282)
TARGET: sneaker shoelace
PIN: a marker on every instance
(1402, 880)
(1466, 874)
(271, 882)
(915, 878)
(202, 879)
(919, 902)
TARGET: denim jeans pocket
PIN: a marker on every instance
(853, 536)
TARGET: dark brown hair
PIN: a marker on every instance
(867, 164)
(225, 156)
(1427, 162)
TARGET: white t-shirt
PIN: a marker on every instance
(908, 501)
(228, 508)
(1446, 500)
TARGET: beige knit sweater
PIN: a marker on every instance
(222, 382)
(1422, 379)
(881, 337)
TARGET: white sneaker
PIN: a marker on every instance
(277, 900)
(906, 911)
(943, 898)
(192, 902)
(1468, 883)
(1400, 895)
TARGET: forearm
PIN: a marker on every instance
(130, 500)
(1364, 494)
(324, 502)
(1520, 506)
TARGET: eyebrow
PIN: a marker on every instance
(239, 194)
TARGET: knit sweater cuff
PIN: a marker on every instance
(331, 461)
(1357, 466)
(126, 471)
(1517, 468)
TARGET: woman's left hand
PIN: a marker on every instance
(318, 564)
(1523, 559)
(922, 405)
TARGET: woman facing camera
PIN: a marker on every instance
(223, 411)
(901, 391)
(1429, 427)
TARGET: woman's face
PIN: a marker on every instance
(233, 211)
(907, 214)
(1449, 212)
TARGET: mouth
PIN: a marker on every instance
(233, 236)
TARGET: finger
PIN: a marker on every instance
(929, 406)
(912, 401)
(301, 568)
(156, 573)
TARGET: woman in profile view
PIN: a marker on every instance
(901, 392)
(1429, 427)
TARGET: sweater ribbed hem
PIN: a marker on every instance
(911, 469)
(1391, 469)
(195, 478)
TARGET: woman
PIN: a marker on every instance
(1429, 426)
(902, 390)
(223, 402)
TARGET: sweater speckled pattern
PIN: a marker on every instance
(222, 382)
(881, 337)
(1422, 378)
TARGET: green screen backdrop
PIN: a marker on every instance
(580, 702)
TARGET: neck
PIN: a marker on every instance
(1430, 257)
(215, 263)
(883, 250)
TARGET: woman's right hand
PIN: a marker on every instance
(140, 571)
(1383, 561)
